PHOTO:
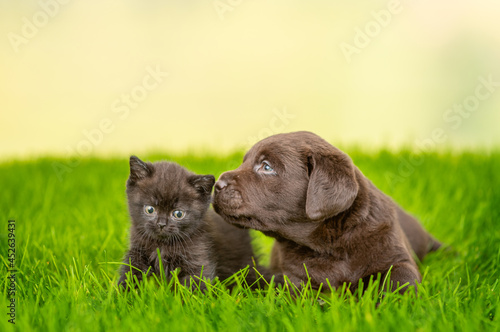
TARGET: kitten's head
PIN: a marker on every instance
(166, 201)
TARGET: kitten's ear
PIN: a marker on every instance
(203, 183)
(139, 169)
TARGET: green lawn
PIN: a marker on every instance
(71, 231)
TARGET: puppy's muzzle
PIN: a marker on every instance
(224, 181)
(226, 195)
(221, 184)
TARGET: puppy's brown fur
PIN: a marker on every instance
(323, 212)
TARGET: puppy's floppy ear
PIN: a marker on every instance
(139, 169)
(203, 183)
(332, 184)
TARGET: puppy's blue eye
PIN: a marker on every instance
(149, 209)
(266, 168)
(178, 214)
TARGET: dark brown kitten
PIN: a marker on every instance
(169, 209)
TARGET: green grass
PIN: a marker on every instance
(72, 230)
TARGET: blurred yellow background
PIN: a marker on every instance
(120, 77)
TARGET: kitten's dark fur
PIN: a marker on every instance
(200, 240)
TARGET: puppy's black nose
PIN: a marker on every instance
(221, 184)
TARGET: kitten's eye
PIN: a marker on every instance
(149, 209)
(266, 168)
(178, 214)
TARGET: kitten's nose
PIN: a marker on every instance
(162, 224)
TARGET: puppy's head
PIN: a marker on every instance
(287, 178)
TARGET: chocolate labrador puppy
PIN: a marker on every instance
(323, 212)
